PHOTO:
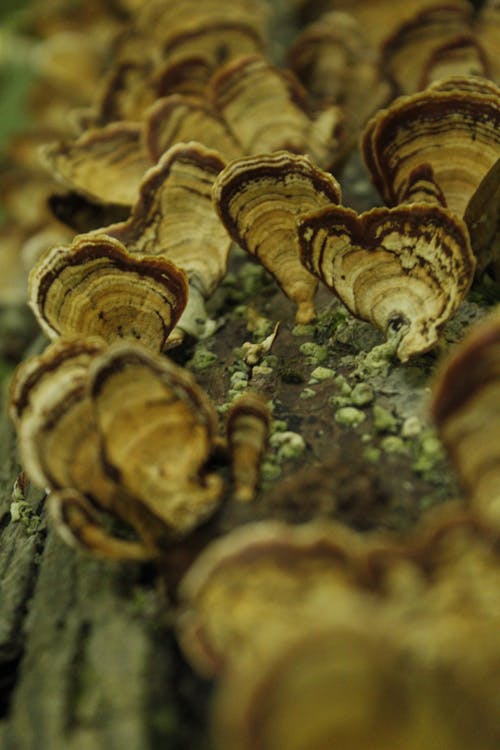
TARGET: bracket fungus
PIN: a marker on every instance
(465, 408)
(343, 612)
(95, 287)
(49, 405)
(268, 110)
(174, 220)
(409, 51)
(487, 29)
(213, 30)
(404, 269)
(258, 199)
(335, 65)
(350, 688)
(103, 164)
(176, 118)
(264, 571)
(158, 430)
(462, 55)
(120, 430)
(482, 217)
(247, 426)
(435, 146)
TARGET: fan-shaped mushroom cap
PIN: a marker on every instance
(382, 19)
(407, 53)
(462, 55)
(487, 30)
(334, 63)
(403, 269)
(212, 29)
(248, 423)
(187, 77)
(268, 572)
(128, 89)
(57, 436)
(436, 145)
(258, 199)
(466, 410)
(179, 118)
(348, 688)
(77, 523)
(104, 164)
(267, 110)
(482, 219)
(174, 217)
(157, 428)
(95, 287)
(285, 614)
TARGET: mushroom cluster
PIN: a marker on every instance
(120, 429)
(330, 630)
(123, 208)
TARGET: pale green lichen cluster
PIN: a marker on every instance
(284, 445)
(22, 512)
(321, 373)
(202, 358)
(315, 354)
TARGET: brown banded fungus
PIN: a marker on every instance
(104, 164)
(258, 199)
(482, 217)
(465, 408)
(334, 63)
(128, 90)
(462, 55)
(119, 430)
(404, 269)
(349, 688)
(50, 407)
(487, 30)
(408, 52)
(158, 430)
(377, 601)
(179, 118)
(187, 77)
(213, 30)
(435, 146)
(287, 577)
(248, 424)
(96, 287)
(174, 219)
(267, 110)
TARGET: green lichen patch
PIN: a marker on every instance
(362, 394)
(22, 512)
(315, 354)
(349, 416)
(372, 454)
(429, 453)
(383, 419)
(202, 358)
(287, 444)
(393, 444)
(411, 427)
(378, 360)
(321, 373)
(303, 330)
(307, 393)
